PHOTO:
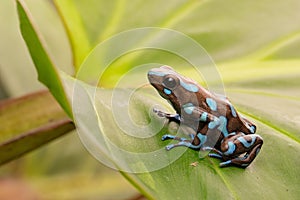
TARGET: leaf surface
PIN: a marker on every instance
(46, 69)
(25, 126)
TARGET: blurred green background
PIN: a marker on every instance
(63, 169)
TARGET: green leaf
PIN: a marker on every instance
(25, 126)
(273, 174)
(47, 72)
(75, 29)
(226, 29)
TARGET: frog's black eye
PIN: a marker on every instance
(170, 82)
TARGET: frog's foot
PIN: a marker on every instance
(217, 154)
(171, 117)
(193, 143)
(246, 160)
(159, 112)
(234, 147)
(172, 137)
(185, 144)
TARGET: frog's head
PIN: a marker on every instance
(164, 80)
(172, 86)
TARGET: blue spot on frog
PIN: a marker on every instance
(209, 116)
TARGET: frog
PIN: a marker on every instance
(214, 123)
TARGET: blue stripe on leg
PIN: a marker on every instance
(231, 148)
(192, 136)
(202, 139)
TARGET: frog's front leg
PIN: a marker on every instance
(232, 147)
(196, 115)
(183, 141)
(171, 117)
(193, 143)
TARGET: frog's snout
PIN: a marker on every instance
(154, 77)
(150, 76)
(153, 74)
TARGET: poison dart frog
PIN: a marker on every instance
(214, 123)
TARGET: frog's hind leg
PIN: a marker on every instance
(233, 147)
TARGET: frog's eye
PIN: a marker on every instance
(170, 82)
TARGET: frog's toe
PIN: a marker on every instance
(213, 150)
(225, 164)
(207, 148)
(159, 113)
(214, 155)
(155, 110)
(164, 137)
(167, 137)
(244, 165)
(169, 147)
